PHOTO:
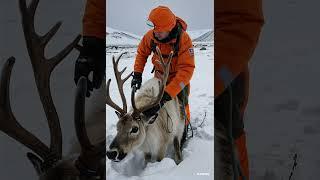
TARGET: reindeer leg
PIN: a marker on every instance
(177, 150)
(147, 157)
(162, 151)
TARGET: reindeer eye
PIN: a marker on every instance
(134, 129)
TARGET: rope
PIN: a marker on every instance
(168, 117)
(294, 165)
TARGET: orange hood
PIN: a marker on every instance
(182, 22)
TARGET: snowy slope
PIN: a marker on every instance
(206, 37)
(198, 153)
(197, 33)
(121, 38)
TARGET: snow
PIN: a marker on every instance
(197, 33)
(125, 39)
(121, 38)
(283, 110)
(196, 166)
(198, 152)
(206, 37)
(112, 30)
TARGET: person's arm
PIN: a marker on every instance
(94, 19)
(143, 52)
(237, 29)
(92, 54)
(185, 67)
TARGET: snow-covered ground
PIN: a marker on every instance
(284, 111)
(198, 152)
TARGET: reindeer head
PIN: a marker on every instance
(131, 127)
(130, 134)
(64, 170)
(47, 160)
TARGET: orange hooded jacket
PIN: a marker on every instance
(182, 66)
(94, 19)
(237, 28)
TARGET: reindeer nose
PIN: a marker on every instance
(122, 155)
(112, 154)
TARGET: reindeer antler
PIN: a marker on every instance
(42, 68)
(120, 83)
(90, 154)
(162, 83)
(8, 122)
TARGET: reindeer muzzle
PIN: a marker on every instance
(115, 155)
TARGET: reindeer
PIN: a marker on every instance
(134, 130)
(89, 163)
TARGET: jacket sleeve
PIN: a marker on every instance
(185, 67)
(143, 53)
(237, 28)
(94, 19)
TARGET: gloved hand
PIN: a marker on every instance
(136, 80)
(91, 59)
(154, 110)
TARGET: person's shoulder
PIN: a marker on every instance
(185, 38)
(146, 39)
(148, 35)
(185, 35)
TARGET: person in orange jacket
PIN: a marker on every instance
(237, 29)
(169, 34)
(92, 54)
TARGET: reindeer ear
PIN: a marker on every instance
(36, 162)
(118, 114)
(151, 120)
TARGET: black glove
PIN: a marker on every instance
(154, 110)
(136, 80)
(91, 59)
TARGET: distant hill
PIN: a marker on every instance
(206, 37)
(194, 34)
(119, 38)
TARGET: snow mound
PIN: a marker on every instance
(197, 164)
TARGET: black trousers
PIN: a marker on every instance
(222, 105)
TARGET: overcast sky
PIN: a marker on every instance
(131, 15)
